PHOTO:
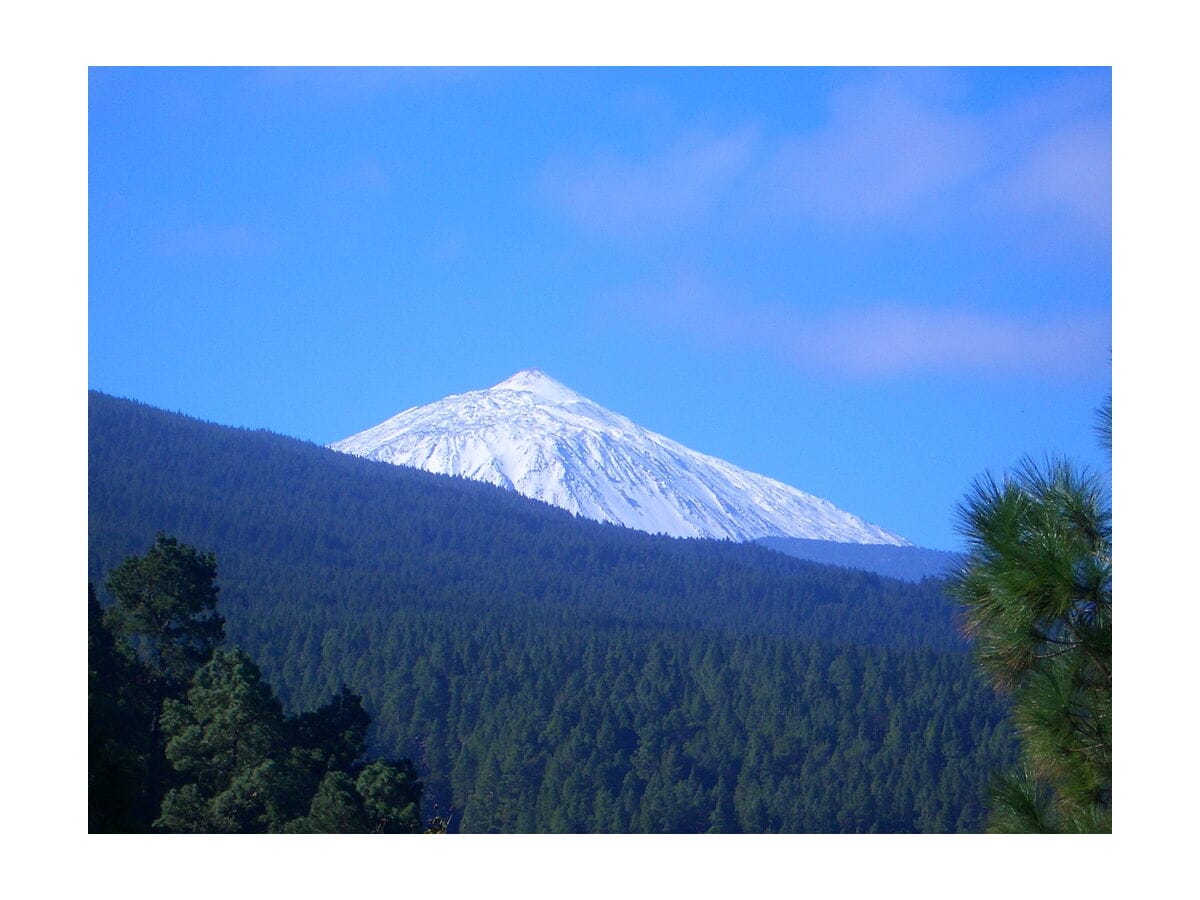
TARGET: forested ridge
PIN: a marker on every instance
(908, 563)
(552, 674)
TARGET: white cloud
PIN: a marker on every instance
(896, 340)
(881, 154)
(1067, 171)
(880, 340)
(898, 150)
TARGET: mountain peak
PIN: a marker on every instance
(541, 385)
(536, 436)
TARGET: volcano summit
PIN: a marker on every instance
(538, 437)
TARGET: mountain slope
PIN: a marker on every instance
(907, 563)
(297, 524)
(550, 673)
(537, 437)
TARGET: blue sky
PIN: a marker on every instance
(873, 284)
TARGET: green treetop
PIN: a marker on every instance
(166, 605)
(1037, 591)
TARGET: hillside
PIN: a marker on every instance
(551, 673)
(907, 563)
(363, 532)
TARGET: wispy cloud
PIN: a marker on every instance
(896, 340)
(878, 340)
(882, 153)
(887, 151)
(892, 152)
(631, 196)
(1067, 171)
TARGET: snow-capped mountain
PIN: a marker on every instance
(538, 437)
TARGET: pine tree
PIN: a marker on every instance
(336, 808)
(166, 606)
(226, 740)
(185, 737)
(144, 649)
(391, 798)
(1037, 592)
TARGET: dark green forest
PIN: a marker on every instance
(548, 673)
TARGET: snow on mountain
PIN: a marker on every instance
(538, 437)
